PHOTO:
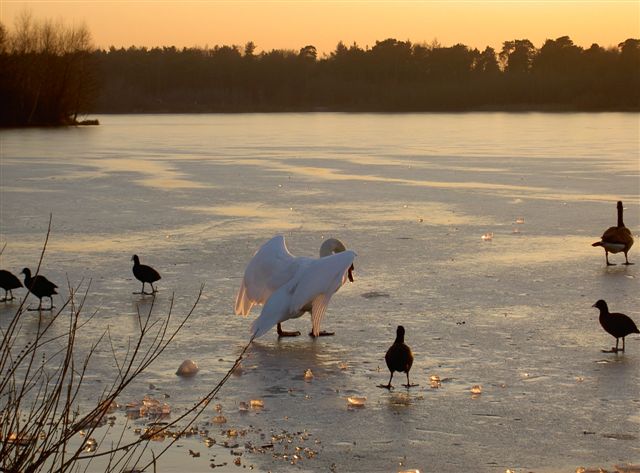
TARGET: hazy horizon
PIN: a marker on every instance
(294, 24)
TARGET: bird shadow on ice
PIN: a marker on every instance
(294, 363)
(289, 357)
(402, 399)
(614, 376)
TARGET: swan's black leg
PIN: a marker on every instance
(282, 333)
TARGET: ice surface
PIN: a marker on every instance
(411, 194)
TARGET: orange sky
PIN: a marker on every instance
(294, 24)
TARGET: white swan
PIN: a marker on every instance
(289, 286)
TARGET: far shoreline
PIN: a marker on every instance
(90, 122)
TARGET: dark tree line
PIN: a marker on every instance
(391, 76)
(47, 73)
(40, 83)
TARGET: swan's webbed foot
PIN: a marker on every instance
(288, 334)
(627, 263)
(410, 385)
(386, 386)
(282, 333)
(610, 264)
(323, 333)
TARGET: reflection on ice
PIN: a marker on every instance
(158, 174)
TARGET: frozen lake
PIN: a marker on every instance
(412, 194)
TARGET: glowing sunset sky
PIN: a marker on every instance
(294, 24)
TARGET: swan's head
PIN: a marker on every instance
(331, 246)
(619, 205)
(26, 272)
(135, 259)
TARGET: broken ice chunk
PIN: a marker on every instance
(220, 419)
(434, 379)
(308, 375)
(187, 368)
(356, 401)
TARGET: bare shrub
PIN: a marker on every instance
(39, 419)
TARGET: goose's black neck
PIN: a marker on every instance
(620, 222)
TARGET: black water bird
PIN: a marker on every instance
(8, 282)
(616, 239)
(616, 324)
(39, 286)
(145, 274)
(399, 358)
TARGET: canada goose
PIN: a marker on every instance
(616, 239)
(8, 282)
(399, 358)
(145, 274)
(618, 325)
(39, 286)
(289, 286)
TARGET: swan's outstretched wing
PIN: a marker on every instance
(313, 284)
(270, 268)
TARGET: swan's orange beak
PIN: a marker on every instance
(350, 273)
